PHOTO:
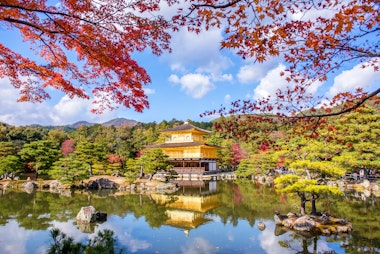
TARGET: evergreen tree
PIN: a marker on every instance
(359, 135)
(7, 148)
(40, 155)
(69, 169)
(10, 163)
(90, 153)
(153, 160)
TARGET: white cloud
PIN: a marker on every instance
(201, 50)
(69, 108)
(270, 83)
(149, 91)
(196, 85)
(269, 241)
(227, 98)
(125, 234)
(169, 11)
(198, 245)
(255, 71)
(16, 241)
(174, 79)
(17, 113)
(357, 77)
(274, 81)
(66, 111)
(313, 14)
(223, 77)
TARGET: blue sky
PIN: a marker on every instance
(197, 76)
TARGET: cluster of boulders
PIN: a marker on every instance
(366, 187)
(9, 176)
(165, 188)
(324, 224)
(98, 184)
(101, 183)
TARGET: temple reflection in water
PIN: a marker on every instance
(187, 208)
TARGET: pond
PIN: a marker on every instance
(207, 217)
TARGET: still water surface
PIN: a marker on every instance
(213, 217)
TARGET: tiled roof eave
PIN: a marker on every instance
(186, 127)
(183, 144)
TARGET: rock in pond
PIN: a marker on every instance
(88, 214)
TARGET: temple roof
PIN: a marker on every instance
(181, 144)
(185, 127)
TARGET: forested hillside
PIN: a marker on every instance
(57, 151)
(341, 144)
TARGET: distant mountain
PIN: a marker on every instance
(117, 122)
(80, 123)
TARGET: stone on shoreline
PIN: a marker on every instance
(101, 183)
(29, 186)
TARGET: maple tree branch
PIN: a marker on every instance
(320, 116)
(48, 12)
(353, 107)
(23, 22)
(222, 6)
(44, 30)
(361, 52)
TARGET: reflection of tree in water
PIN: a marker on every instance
(104, 242)
(304, 240)
(243, 200)
(356, 244)
(364, 215)
(37, 210)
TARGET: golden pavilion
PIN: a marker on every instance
(188, 151)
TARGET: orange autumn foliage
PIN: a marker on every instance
(328, 34)
(101, 34)
(315, 38)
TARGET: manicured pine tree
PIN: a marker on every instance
(40, 155)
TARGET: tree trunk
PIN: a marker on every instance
(314, 197)
(36, 170)
(90, 168)
(304, 246)
(141, 173)
(308, 173)
(302, 203)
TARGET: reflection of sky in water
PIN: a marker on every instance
(136, 236)
(16, 240)
(124, 229)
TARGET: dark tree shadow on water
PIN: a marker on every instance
(301, 242)
(104, 242)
